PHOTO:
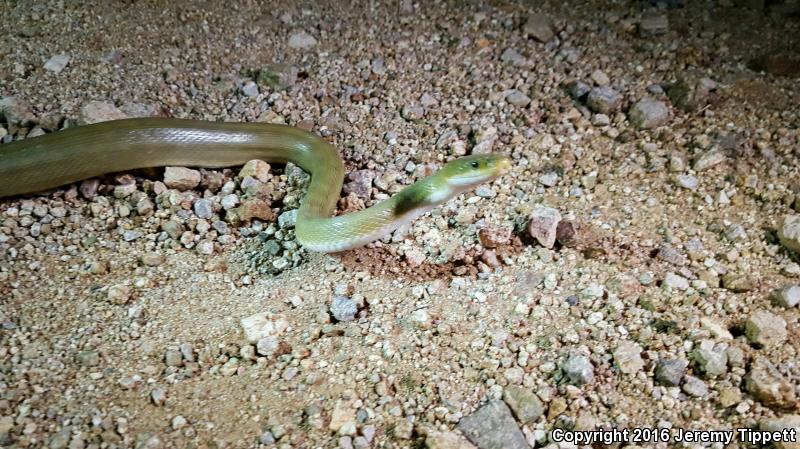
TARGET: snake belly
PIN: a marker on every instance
(74, 154)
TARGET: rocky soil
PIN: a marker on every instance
(637, 268)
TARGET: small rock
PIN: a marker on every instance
(259, 326)
(173, 357)
(446, 440)
(647, 114)
(342, 415)
(230, 367)
(203, 208)
(57, 63)
(119, 293)
(787, 296)
(694, 387)
(343, 308)
(524, 403)
(512, 56)
(158, 396)
(268, 346)
(765, 329)
(360, 183)
(691, 92)
(768, 386)
(653, 23)
(152, 259)
(711, 360)
(179, 422)
(675, 281)
(543, 225)
(789, 232)
(578, 89)
(485, 139)
(494, 236)
(412, 111)
(670, 372)
(16, 111)
(578, 369)
(628, 357)
(181, 178)
(738, 283)
(493, 427)
(518, 98)
(600, 78)
(778, 425)
(689, 182)
(250, 89)
(729, 397)
(549, 179)
(99, 111)
(421, 318)
(539, 27)
(88, 358)
(278, 76)
(302, 40)
(604, 100)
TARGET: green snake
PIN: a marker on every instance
(52, 160)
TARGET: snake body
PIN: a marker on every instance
(52, 160)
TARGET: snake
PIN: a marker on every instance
(55, 159)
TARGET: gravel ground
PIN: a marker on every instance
(637, 268)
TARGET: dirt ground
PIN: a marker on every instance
(658, 310)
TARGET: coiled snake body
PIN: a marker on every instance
(52, 160)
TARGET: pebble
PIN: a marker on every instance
(539, 27)
(343, 308)
(543, 225)
(578, 369)
(628, 357)
(578, 90)
(288, 219)
(647, 114)
(229, 201)
(789, 232)
(787, 296)
(360, 183)
(694, 387)
(549, 179)
(670, 372)
(181, 178)
(525, 405)
(57, 63)
(278, 76)
(301, 40)
(604, 100)
(119, 293)
(493, 427)
(484, 140)
(765, 329)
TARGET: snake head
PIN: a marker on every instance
(467, 172)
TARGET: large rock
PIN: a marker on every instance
(493, 427)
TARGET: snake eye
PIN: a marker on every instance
(474, 164)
